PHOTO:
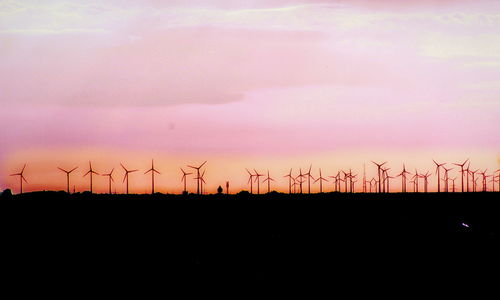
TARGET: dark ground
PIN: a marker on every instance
(277, 238)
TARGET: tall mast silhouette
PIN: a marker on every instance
(257, 175)
(21, 178)
(438, 167)
(484, 189)
(67, 176)
(308, 174)
(462, 170)
(198, 178)
(268, 179)
(320, 179)
(153, 171)
(127, 174)
(289, 175)
(184, 177)
(110, 178)
(379, 166)
(91, 172)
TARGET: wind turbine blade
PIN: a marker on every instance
(62, 170)
(125, 177)
(310, 169)
(202, 164)
(123, 167)
(148, 171)
(24, 179)
(23, 168)
(110, 177)
(133, 171)
(86, 173)
(156, 171)
(75, 169)
(192, 167)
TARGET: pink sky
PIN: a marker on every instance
(257, 84)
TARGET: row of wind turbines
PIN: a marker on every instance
(378, 184)
(382, 185)
(199, 178)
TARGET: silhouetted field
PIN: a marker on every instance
(275, 237)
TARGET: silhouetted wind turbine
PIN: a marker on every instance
(184, 178)
(467, 175)
(67, 176)
(250, 177)
(446, 178)
(300, 177)
(198, 178)
(110, 175)
(289, 175)
(308, 174)
(415, 180)
(403, 179)
(484, 179)
(462, 170)
(268, 179)
(384, 177)
(374, 181)
(379, 166)
(473, 173)
(21, 178)
(126, 174)
(438, 166)
(91, 172)
(321, 179)
(202, 181)
(257, 175)
(153, 171)
(453, 185)
(426, 180)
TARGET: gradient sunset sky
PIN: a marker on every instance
(272, 84)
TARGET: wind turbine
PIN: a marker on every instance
(67, 176)
(110, 175)
(21, 178)
(384, 177)
(453, 185)
(198, 178)
(184, 177)
(300, 177)
(289, 175)
(257, 175)
(467, 175)
(153, 171)
(403, 179)
(374, 181)
(364, 178)
(202, 181)
(126, 174)
(308, 174)
(321, 179)
(426, 180)
(268, 179)
(415, 181)
(446, 177)
(250, 177)
(91, 172)
(379, 166)
(473, 173)
(484, 179)
(438, 166)
(462, 170)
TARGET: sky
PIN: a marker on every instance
(270, 85)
